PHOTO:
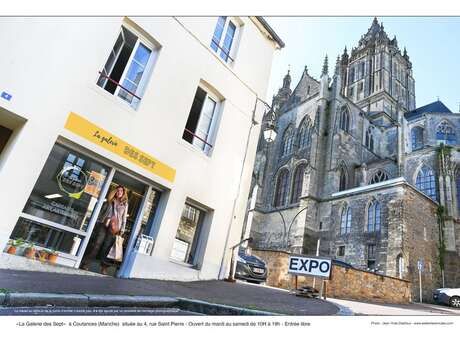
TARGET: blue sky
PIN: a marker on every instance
(432, 44)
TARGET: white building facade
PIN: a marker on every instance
(164, 106)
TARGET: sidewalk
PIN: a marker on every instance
(233, 294)
(418, 309)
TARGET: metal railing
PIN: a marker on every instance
(103, 75)
(196, 136)
(222, 50)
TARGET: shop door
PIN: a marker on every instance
(94, 255)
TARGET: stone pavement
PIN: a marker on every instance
(240, 295)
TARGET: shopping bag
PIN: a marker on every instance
(116, 252)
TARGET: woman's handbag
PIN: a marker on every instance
(116, 252)
(113, 225)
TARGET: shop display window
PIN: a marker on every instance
(67, 189)
(47, 237)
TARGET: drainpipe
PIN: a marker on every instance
(253, 123)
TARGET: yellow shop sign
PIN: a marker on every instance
(88, 130)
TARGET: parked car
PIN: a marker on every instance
(250, 268)
(447, 296)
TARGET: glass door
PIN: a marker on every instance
(95, 257)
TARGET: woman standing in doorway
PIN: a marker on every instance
(112, 223)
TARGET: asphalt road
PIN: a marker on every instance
(234, 294)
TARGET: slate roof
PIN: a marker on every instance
(435, 107)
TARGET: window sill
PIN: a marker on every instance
(203, 155)
(114, 99)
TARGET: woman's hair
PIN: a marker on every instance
(113, 192)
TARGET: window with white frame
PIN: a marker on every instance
(188, 235)
(128, 67)
(201, 122)
(223, 39)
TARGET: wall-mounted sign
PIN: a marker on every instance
(6, 95)
(86, 129)
(310, 266)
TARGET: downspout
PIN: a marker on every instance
(253, 123)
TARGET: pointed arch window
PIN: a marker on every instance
(426, 182)
(416, 135)
(342, 179)
(345, 221)
(288, 139)
(379, 176)
(369, 140)
(304, 135)
(345, 120)
(281, 188)
(298, 183)
(374, 217)
(445, 134)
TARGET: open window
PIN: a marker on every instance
(128, 67)
(202, 121)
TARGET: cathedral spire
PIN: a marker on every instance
(325, 67)
(287, 79)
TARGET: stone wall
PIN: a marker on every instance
(420, 242)
(347, 283)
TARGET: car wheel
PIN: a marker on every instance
(454, 302)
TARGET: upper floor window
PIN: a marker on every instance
(287, 142)
(374, 217)
(352, 75)
(201, 122)
(345, 120)
(445, 134)
(369, 139)
(379, 176)
(345, 220)
(223, 38)
(426, 182)
(281, 189)
(342, 179)
(416, 138)
(304, 134)
(298, 183)
(128, 67)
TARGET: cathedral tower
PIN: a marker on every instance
(377, 76)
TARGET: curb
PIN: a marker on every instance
(219, 309)
(15, 299)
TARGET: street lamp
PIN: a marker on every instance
(270, 132)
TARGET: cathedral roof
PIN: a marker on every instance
(300, 92)
(435, 107)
